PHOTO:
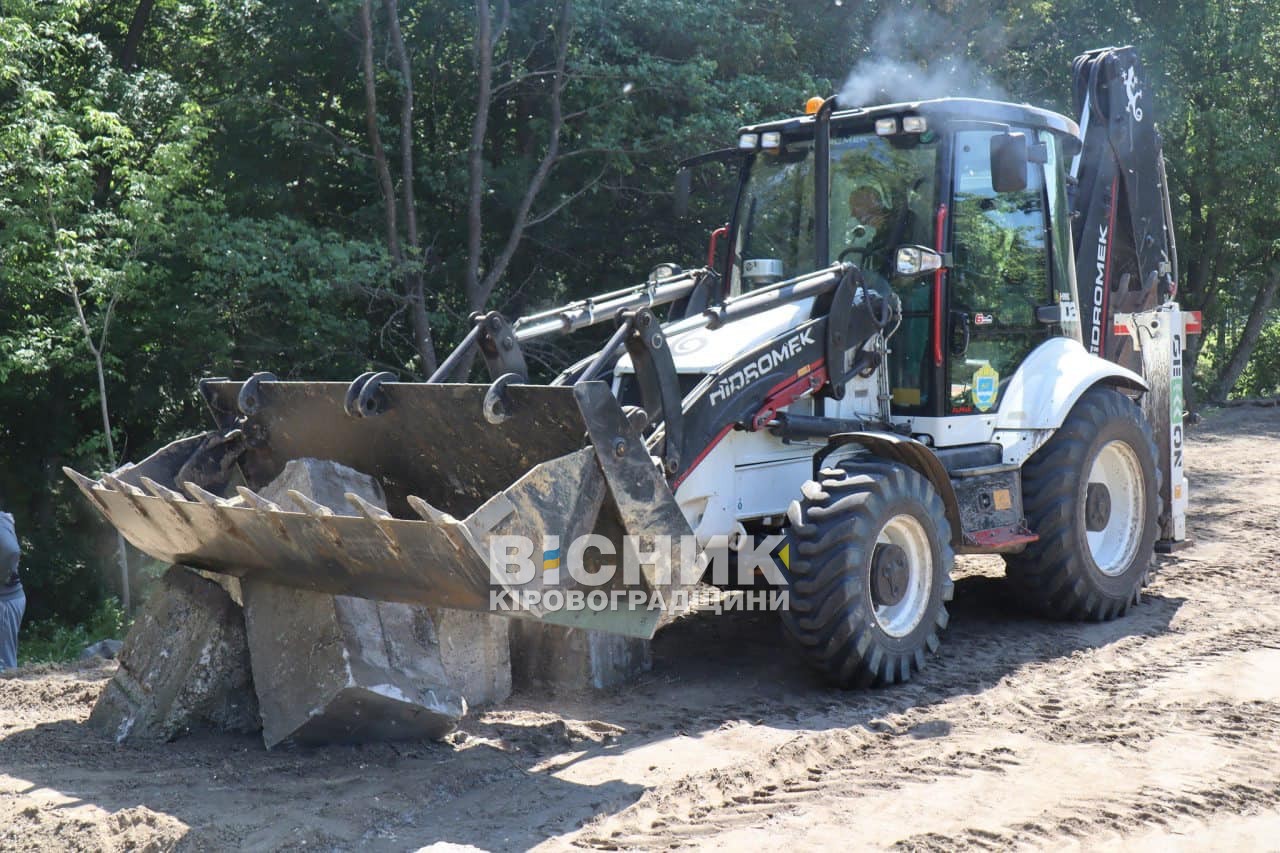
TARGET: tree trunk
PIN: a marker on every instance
(122, 554)
(128, 62)
(1195, 345)
(475, 152)
(480, 288)
(1235, 365)
(129, 54)
(96, 350)
(385, 187)
(409, 258)
(413, 283)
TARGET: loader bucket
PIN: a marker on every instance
(565, 462)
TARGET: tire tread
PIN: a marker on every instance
(834, 527)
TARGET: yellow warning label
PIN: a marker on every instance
(1002, 499)
(906, 396)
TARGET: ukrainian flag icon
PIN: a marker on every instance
(783, 554)
(551, 559)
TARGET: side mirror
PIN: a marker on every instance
(1009, 162)
(917, 260)
(684, 185)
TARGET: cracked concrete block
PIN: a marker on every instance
(475, 651)
(184, 666)
(557, 658)
(335, 668)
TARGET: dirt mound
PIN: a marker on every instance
(1162, 727)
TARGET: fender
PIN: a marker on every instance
(1051, 379)
(906, 450)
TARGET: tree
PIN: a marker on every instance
(66, 243)
(1259, 313)
(408, 254)
(480, 281)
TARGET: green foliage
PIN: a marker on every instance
(53, 641)
(107, 196)
(1261, 377)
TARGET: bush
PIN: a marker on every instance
(49, 641)
(1261, 377)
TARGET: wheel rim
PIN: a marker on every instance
(903, 616)
(1116, 488)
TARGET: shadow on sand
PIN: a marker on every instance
(708, 670)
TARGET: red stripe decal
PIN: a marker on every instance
(818, 367)
(784, 383)
(940, 236)
(675, 484)
(808, 379)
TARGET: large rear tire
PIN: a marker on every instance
(1092, 495)
(870, 573)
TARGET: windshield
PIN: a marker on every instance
(883, 194)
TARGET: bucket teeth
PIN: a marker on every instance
(79, 479)
(368, 510)
(257, 501)
(115, 483)
(200, 495)
(427, 511)
(273, 511)
(380, 517)
(309, 506)
(85, 485)
(169, 500)
(160, 491)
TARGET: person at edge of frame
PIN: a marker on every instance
(13, 601)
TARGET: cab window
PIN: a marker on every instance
(884, 195)
(1000, 275)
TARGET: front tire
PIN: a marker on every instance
(870, 573)
(1091, 493)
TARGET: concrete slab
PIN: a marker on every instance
(184, 666)
(336, 668)
(550, 657)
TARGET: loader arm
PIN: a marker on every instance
(465, 468)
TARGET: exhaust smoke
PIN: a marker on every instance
(918, 55)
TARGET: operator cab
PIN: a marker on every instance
(981, 183)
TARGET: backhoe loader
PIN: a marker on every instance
(929, 328)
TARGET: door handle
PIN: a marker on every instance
(959, 333)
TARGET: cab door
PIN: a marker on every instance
(1000, 275)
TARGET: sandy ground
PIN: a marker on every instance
(1159, 731)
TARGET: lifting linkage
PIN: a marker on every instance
(562, 460)
(639, 333)
(499, 341)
